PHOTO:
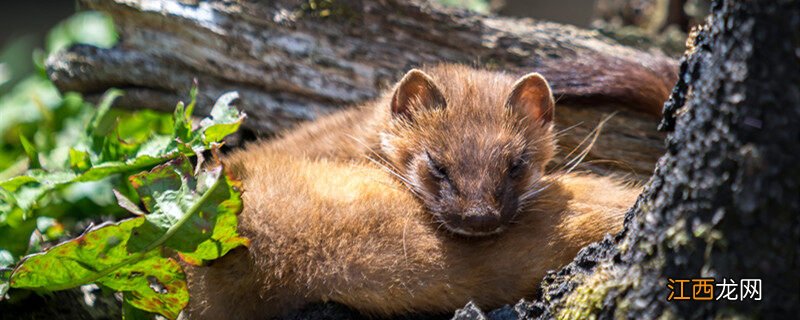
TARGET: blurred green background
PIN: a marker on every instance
(39, 125)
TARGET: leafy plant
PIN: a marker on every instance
(192, 215)
(102, 151)
(65, 164)
(38, 127)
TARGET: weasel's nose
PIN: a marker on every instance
(476, 221)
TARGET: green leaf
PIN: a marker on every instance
(127, 204)
(193, 98)
(130, 312)
(5, 274)
(170, 191)
(88, 27)
(79, 160)
(224, 203)
(194, 215)
(82, 152)
(15, 183)
(28, 190)
(225, 119)
(96, 124)
(30, 151)
(135, 128)
(88, 258)
(101, 154)
(155, 283)
(183, 123)
(6, 261)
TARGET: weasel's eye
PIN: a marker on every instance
(516, 168)
(437, 170)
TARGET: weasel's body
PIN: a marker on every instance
(325, 231)
(431, 196)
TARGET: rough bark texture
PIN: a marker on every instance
(725, 199)
(292, 61)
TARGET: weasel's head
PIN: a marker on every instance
(471, 145)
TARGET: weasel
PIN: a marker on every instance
(470, 144)
(351, 233)
(352, 208)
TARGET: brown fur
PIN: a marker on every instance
(326, 223)
(354, 134)
(350, 233)
(474, 123)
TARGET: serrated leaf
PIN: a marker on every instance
(194, 215)
(225, 236)
(224, 239)
(155, 283)
(103, 170)
(169, 191)
(161, 189)
(225, 119)
(102, 144)
(85, 259)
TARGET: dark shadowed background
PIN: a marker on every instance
(31, 17)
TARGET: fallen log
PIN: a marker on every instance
(294, 60)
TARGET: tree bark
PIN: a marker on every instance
(724, 202)
(292, 61)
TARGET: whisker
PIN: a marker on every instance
(386, 165)
(441, 224)
(557, 99)
(564, 131)
(383, 161)
(594, 135)
(577, 147)
(405, 181)
(528, 196)
(627, 166)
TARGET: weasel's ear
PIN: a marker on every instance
(531, 96)
(416, 90)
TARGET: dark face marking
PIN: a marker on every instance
(473, 184)
(472, 154)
